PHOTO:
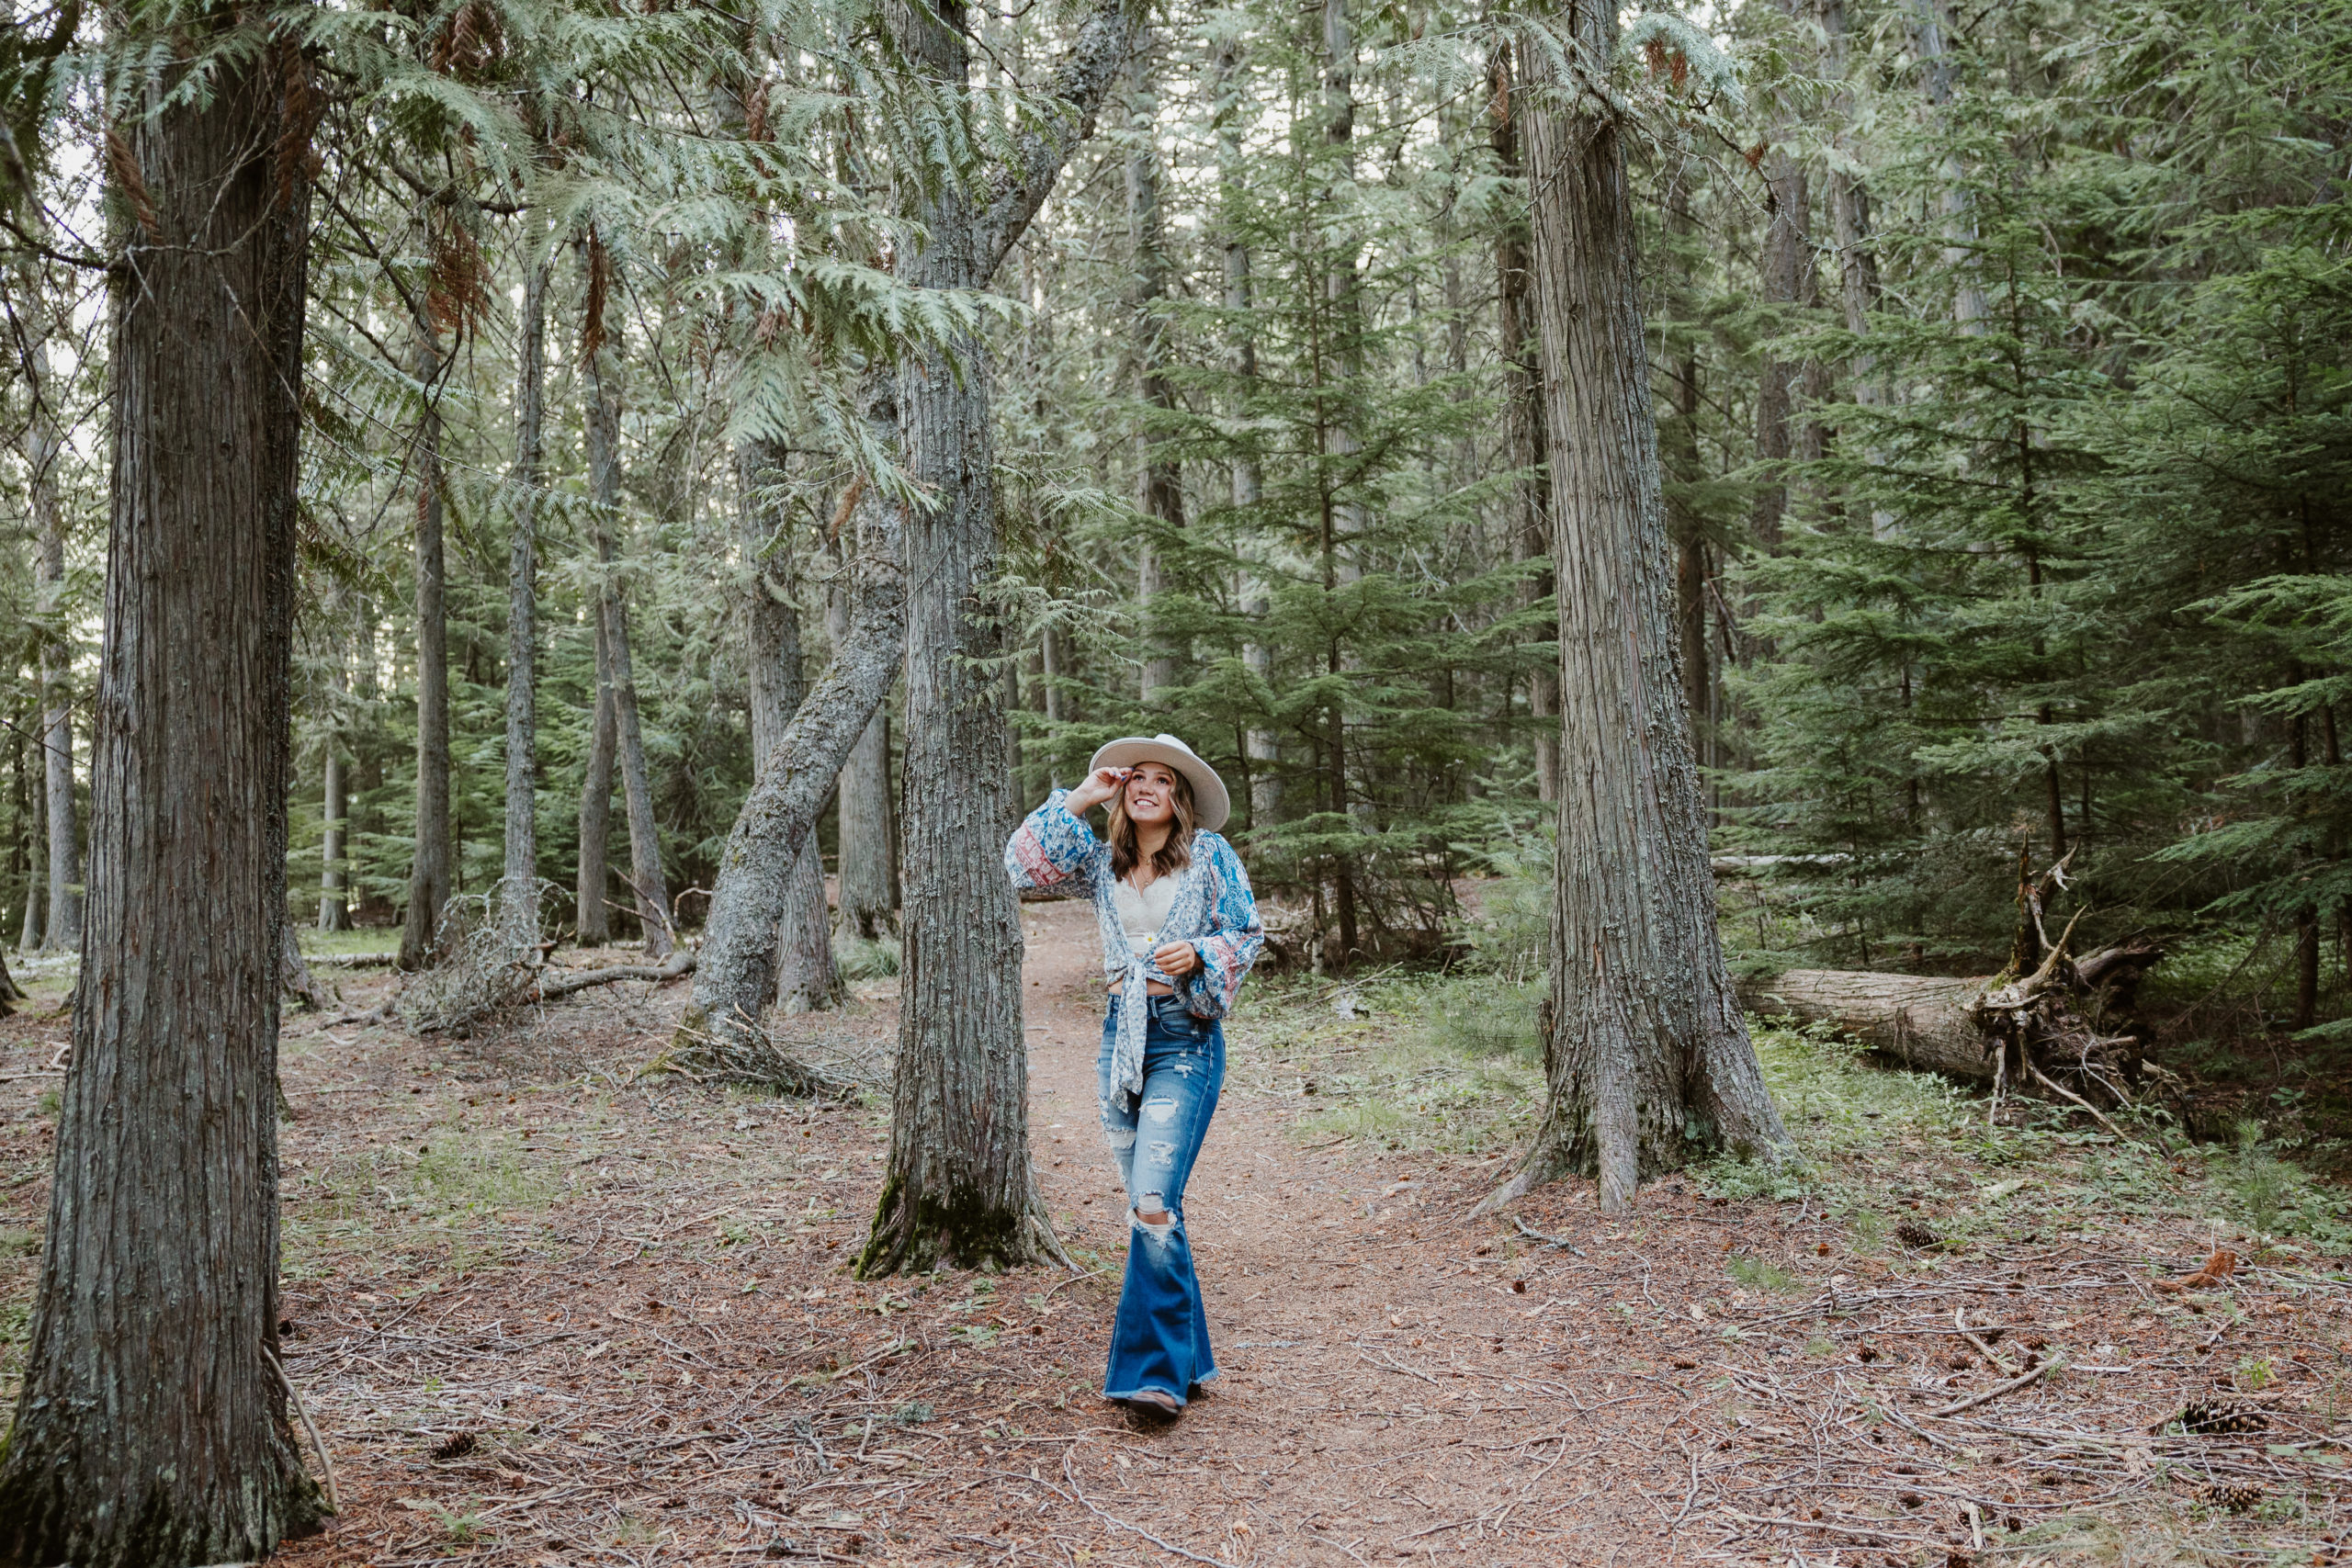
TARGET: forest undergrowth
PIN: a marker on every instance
(544, 1310)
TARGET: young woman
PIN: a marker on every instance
(1178, 931)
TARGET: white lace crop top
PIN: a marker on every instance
(1142, 913)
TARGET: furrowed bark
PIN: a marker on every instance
(807, 979)
(1523, 430)
(151, 1427)
(652, 893)
(721, 1035)
(429, 868)
(1647, 1059)
(959, 1187)
(868, 848)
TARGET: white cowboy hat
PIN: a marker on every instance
(1211, 804)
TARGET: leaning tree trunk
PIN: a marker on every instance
(1648, 1062)
(519, 883)
(807, 980)
(959, 1187)
(721, 1036)
(595, 921)
(637, 783)
(429, 868)
(151, 1428)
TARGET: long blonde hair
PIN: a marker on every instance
(1126, 847)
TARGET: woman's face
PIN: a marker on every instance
(1151, 793)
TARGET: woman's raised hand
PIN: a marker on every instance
(1100, 786)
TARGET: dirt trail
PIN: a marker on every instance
(549, 1313)
(1385, 1389)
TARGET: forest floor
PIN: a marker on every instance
(546, 1311)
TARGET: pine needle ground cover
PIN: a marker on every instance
(544, 1311)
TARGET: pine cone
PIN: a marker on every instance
(1915, 1236)
(458, 1447)
(2237, 1496)
(2213, 1418)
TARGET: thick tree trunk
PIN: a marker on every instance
(429, 865)
(334, 912)
(43, 447)
(1524, 434)
(637, 785)
(807, 979)
(595, 922)
(1648, 1061)
(959, 1187)
(1160, 475)
(721, 1034)
(519, 883)
(151, 1424)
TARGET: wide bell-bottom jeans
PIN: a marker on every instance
(1160, 1338)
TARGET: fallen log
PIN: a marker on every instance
(2069, 1021)
(1920, 1021)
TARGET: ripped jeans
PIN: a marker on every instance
(1161, 1336)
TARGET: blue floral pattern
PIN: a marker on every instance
(1053, 850)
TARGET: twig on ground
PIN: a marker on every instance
(1070, 1473)
(326, 1465)
(1526, 1229)
(1999, 1389)
(2047, 1082)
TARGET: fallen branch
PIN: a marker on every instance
(1974, 1400)
(2045, 1080)
(326, 1465)
(679, 964)
(1959, 1322)
(1070, 1473)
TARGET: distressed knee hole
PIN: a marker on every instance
(1153, 1221)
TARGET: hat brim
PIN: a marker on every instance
(1211, 801)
